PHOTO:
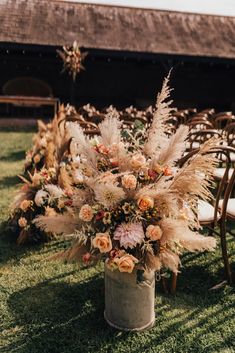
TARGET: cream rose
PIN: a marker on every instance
(86, 213)
(25, 204)
(145, 202)
(129, 181)
(126, 263)
(153, 232)
(138, 161)
(103, 242)
(22, 222)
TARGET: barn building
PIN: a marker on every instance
(130, 51)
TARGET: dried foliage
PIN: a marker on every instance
(73, 59)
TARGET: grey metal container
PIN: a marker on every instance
(129, 305)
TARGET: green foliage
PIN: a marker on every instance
(51, 307)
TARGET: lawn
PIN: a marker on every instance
(53, 307)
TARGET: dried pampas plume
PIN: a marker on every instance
(50, 160)
(59, 224)
(83, 144)
(173, 150)
(64, 180)
(170, 260)
(177, 231)
(190, 181)
(157, 131)
(110, 130)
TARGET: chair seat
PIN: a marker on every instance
(232, 156)
(219, 173)
(206, 212)
(230, 207)
(193, 145)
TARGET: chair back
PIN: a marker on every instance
(226, 184)
(196, 138)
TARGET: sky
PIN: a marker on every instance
(214, 7)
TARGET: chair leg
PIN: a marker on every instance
(164, 285)
(225, 252)
(173, 283)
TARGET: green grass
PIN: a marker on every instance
(53, 307)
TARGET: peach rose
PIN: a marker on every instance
(86, 213)
(145, 202)
(25, 204)
(153, 232)
(126, 263)
(36, 158)
(167, 171)
(129, 181)
(22, 222)
(138, 161)
(103, 242)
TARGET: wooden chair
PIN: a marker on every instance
(212, 215)
(196, 138)
(221, 122)
(200, 125)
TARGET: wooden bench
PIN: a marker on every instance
(28, 101)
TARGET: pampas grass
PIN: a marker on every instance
(194, 179)
(177, 231)
(58, 224)
(170, 260)
(156, 135)
(110, 130)
(83, 144)
(174, 148)
(64, 180)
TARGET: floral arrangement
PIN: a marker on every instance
(49, 141)
(47, 181)
(132, 205)
(72, 58)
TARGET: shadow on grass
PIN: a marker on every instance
(61, 317)
(9, 181)
(14, 156)
(67, 317)
(18, 128)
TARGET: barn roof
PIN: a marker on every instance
(51, 22)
